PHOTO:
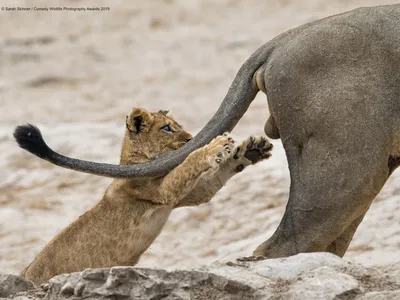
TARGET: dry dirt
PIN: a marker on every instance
(77, 74)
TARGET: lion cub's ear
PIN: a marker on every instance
(139, 120)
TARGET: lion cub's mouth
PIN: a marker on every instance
(176, 145)
(168, 149)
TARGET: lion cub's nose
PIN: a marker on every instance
(188, 140)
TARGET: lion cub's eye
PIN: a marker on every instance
(167, 128)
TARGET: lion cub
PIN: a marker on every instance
(132, 213)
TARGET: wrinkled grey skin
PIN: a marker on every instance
(333, 90)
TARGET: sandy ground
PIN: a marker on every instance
(77, 74)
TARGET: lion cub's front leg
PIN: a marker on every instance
(201, 163)
(249, 152)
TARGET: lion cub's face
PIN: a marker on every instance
(149, 135)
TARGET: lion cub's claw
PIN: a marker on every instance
(254, 149)
(219, 150)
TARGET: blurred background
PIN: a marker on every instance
(77, 75)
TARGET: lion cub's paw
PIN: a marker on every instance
(219, 150)
(254, 149)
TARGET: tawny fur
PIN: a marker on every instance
(133, 212)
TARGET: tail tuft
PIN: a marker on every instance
(30, 138)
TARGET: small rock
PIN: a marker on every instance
(12, 284)
(322, 283)
(79, 289)
(394, 295)
(292, 266)
(67, 289)
(93, 274)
